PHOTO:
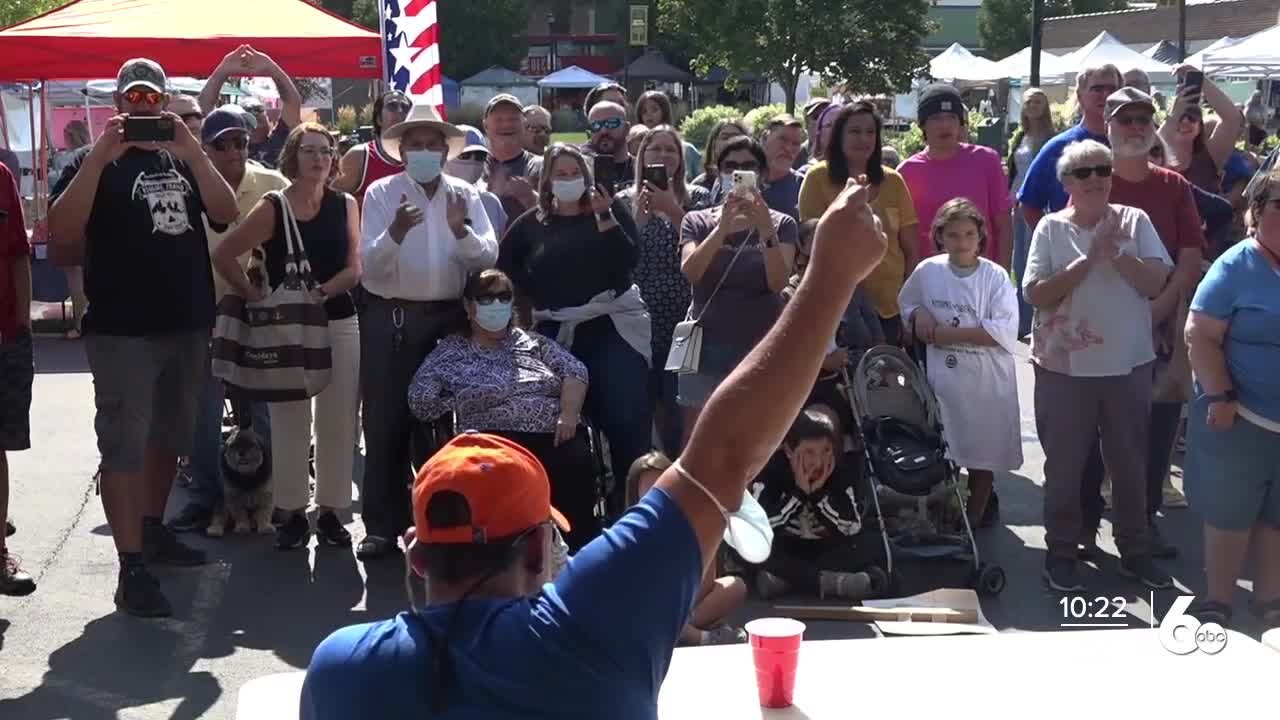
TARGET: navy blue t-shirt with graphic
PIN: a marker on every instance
(595, 643)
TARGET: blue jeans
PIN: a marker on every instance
(206, 453)
(617, 394)
(1021, 250)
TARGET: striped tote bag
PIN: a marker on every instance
(277, 350)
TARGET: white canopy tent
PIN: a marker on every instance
(1105, 49)
(1018, 65)
(1257, 56)
(957, 63)
(1221, 44)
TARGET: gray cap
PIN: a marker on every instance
(1128, 97)
(228, 118)
(504, 99)
(141, 71)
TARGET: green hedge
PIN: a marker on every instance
(696, 128)
(758, 119)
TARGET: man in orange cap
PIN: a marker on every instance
(497, 638)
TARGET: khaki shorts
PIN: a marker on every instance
(146, 391)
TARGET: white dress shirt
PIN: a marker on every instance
(431, 263)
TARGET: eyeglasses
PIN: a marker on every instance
(143, 97)
(1084, 173)
(539, 129)
(1133, 120)
(232, 143)
(505, 296)
(612, 123)
(1190, 117)
(316, 150)
(749, 166)
(397, 107)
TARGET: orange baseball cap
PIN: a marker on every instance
(504, 486)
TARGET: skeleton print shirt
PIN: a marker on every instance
(147, 268)
(514, 387)
(831, 511)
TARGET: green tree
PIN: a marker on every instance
(1004, 26)
(873, 45)
(15, 11)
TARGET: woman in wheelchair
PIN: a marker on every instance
(810, 491)
(501, 379)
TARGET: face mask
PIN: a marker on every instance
(423, 165)
(567, 191)
(747, 530)
(493, 317)
(469, 170)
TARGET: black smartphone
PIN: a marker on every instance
(605, 171)
(1193, 79)
(148, 129)
(656, 174)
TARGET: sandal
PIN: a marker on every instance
(373, 547)
(1268, 613)
(1212, 611)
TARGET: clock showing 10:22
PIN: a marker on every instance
(1080, 611)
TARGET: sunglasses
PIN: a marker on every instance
(235, 143)
(1084, 173)
(474, 156)
(607, 124)
(505, 296)
(141, 97)
(1191, 117)
(397, 107)
(1134, 120)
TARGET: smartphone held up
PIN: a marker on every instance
(148, 129)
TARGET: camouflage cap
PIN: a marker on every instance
(141, 71)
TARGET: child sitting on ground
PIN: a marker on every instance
(719, 596)
(963, 307)
(819, 546)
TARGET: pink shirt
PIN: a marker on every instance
(975, 172)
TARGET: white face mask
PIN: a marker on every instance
(423, 165)
(469, 170)
(567, 191)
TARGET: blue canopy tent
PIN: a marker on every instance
(571, 78)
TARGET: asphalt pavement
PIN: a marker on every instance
(66, 653)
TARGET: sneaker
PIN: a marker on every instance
(373, 547)
(724, 635)
(192, 518)
(1089, 550)
(1171, 497)
(1143, 569)
(1063, 575)
(13, 580)
(330, 531)
(844, 585)
(138, 594)
(293, 532)
(1160, 548)
(770, 586)
(9, 529)
(162, 547)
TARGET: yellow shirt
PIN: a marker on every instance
(892, 203)
(257, 182)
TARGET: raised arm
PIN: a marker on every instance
(748, 415)
(350, 170)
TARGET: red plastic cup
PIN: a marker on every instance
(775, 648)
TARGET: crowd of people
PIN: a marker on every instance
(529, 298)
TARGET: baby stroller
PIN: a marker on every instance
(915, 490)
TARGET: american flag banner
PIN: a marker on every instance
(411, 38)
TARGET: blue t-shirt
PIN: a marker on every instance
(784, 195)
(1243, 289)
(1041, 189)
(1237, 170)
(595, 643)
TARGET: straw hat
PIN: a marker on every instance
(422, 116)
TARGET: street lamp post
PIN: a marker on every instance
(551, 42)
(1037, 12)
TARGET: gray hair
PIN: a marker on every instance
(537, 110)
(1077, 152)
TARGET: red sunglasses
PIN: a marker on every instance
(139, 97)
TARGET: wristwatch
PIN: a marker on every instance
(1228, 396)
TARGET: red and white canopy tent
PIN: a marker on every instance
(87, 39)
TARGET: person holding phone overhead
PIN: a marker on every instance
(1196, 155)
(573, 260)
(737, 257)
(126, 211)
(659, 200)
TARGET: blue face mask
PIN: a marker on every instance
(423, 165)
(495, 316)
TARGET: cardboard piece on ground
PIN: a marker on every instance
(860, 613)
(952, 598)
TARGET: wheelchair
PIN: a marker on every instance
(610, 501)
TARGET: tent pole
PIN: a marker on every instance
(88, 115)
(43, 179)
(1037, 12)
(1182, 30)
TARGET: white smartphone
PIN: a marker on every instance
(744, 179)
